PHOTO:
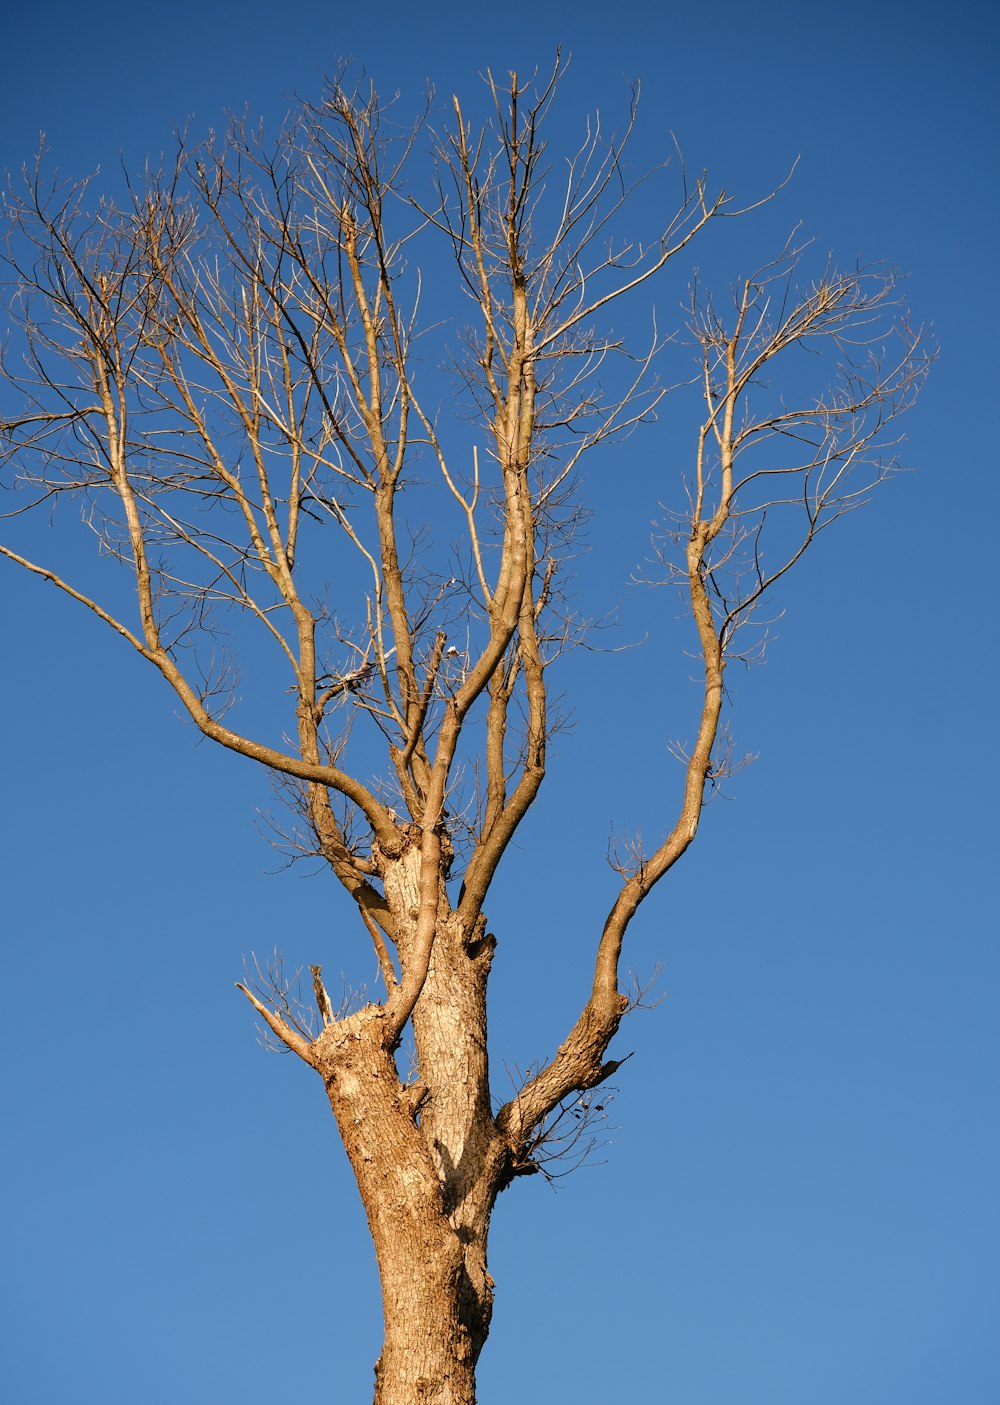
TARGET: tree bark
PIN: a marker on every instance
(436, 1294)
(428, 1157)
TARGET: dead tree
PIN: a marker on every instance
(221, 368)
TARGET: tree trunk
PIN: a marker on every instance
(429, 1354)
(436, 1293)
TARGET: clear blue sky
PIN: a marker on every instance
(800, 1203)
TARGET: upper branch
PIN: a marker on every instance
(771, 472)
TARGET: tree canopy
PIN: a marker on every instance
(234, 371)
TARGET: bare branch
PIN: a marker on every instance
(288, 1036)
(232, 378)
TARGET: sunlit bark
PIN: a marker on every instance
(222, 370)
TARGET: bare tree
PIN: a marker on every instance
(224, 368)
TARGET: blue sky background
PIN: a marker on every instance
(799, 1206)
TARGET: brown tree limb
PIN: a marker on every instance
(288, 1036)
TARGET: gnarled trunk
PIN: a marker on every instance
(436, 1293)
(428, 1158)
(435, 1324)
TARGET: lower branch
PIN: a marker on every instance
(289, 1037)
